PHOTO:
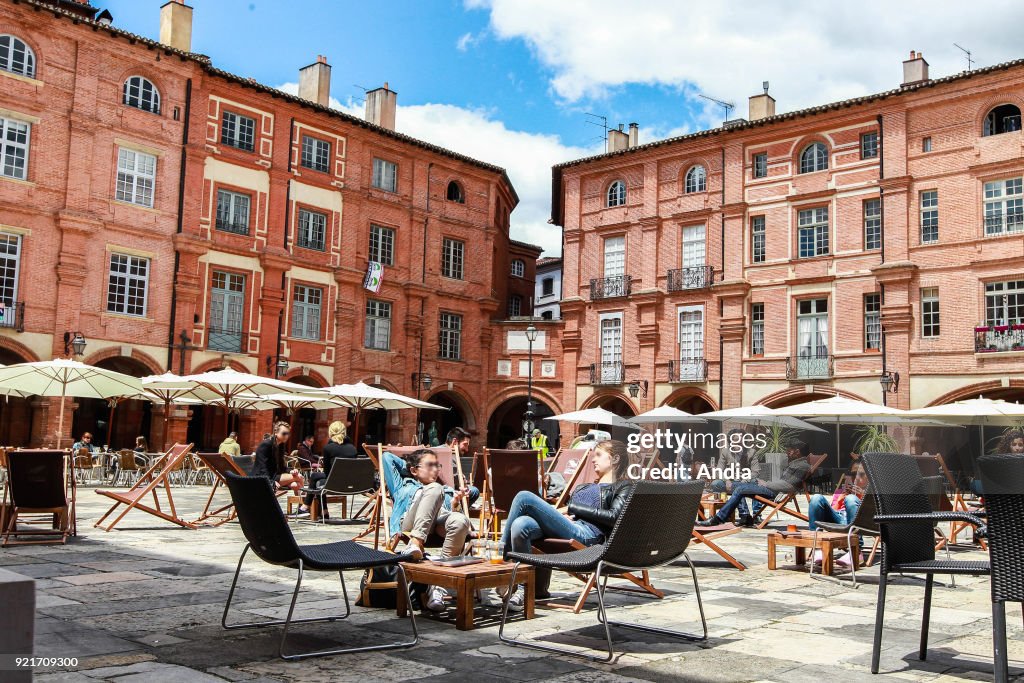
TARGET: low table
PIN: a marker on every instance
(801, 540)
(465, 581)
(710, 504)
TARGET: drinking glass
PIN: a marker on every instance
(496, 549)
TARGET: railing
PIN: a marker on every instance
(610, 287)
(235, 226)
(809, 367)
(228, 341)
(694, 277)
(607, 372)
(688, 370)
(995, 338)
(12, 316)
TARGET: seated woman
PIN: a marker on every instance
(423, 505)
(843, 507)
(1012, 442)
(269, 460)
(338, 446)
(593, 507)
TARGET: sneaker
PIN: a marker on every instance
(414, 553)
(710, 521)
(817, 557)
(435, 599)
(845, 561)
(515, 603)
(489, 597)
(746, 521)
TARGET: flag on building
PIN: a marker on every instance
(374, 276)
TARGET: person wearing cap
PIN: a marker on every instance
(539, 443)
(794, 475)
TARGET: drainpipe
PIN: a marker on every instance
(721, 342)
(423, 302)
(288, 188)
(181, 207)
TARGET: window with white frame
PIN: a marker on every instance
(312, 230)
(17, 57)
(139, 92)
(757, 329)
(14, 137)
(813, 158)
(1004, 302)
(10, 270)
(869, 145)
(136, 177)
(614, 257)
(232, 212)
(929, 216)
(518, 267)
(127, 284)
(515, 305)
(757, 239)
(450, 339)
(691, 343)
(873, 224)
(316, 154)
(1004, 206)
(611, 349)
(616, 194)
(382, 245)
(695, 249)
(812, 328)
(238, 131)
(696, 180)
(385, 175)
(812, 232)
(306, 303)
(761, 165)
(378, 325)
(930, 312)
(872, 321)
(452, 258)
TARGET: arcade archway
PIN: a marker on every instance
(119, 426)
(16, 414)
(506, 422)
(439, 422)
(614, 403)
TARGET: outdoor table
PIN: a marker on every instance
(465, 581)
(711, 503)
(801, 540)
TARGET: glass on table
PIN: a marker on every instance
(478, 548)
(496, 552)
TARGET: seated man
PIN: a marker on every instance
(307, 458)
(792, 477)
(229, 446)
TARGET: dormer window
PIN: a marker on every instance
(455, 193)
(616, 194)
(1003, 119)
(139, 92)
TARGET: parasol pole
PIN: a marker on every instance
(60, 420)
(112, 402)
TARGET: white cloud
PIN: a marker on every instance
(812, 52)
(466, 41)
(527, 157)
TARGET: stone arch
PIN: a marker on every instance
(687, 393)
(603, 396)
(27, 355)
(219, 364)
(140, 357)
(464, 401)
(297, 375)
(513, 392)
(990, 389)
(790, 395)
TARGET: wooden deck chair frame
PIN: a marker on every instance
(490, 518)
(781, 502)
(158, 475)
(556, 462)
(957, 501)
(9, 511)
(563, 498)
(707, 536)
(220, 464)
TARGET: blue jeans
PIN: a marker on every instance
(533, 518)
(402, 487)
(820, 510)
(741, 491)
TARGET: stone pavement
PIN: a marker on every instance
(144, 603)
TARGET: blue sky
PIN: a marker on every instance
(510, 81)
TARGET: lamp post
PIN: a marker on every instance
(425, 380)
(531, 336)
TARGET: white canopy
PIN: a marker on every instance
(760, 416)
(667, 414)
(598, 416)
(974, 411)
(362, 396)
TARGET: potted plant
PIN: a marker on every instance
(874, 439)
(776, 438)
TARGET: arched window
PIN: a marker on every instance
(518, 267)
(455, 193)
(696, 180)
(1003, 119)
(616, 194)
(814, 158)
(17, 57)
(139, 92)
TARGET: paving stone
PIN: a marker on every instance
(103, 577)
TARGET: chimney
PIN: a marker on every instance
(915, 69)
(381, 104)
(176, 25)
(634, 135)
(315, 81)
(761, 106)
(618, 140)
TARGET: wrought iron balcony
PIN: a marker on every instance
(610, 287)
(818, 366)
(688, 370)
(996, 338)
(228, 341)
(694, 277)
(12, 315)
(238, 227)
(607, 372)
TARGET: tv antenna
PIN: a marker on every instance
(365, 90)
(728, 106)
(603, 125)
(967, 52)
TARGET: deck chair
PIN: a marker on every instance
(348, 477)
(782, 501)
(38, 484)
(708, 535)
(506, 473)
(157, 476)
(933, 465)
(863, 524)
(219, 464)
(575, 467)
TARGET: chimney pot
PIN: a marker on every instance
(761, 106)
(315, 82)
(381, 105)
(634, 135)
(915, 69)
(618, 140)
(176, 25)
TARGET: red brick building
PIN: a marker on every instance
(792, 256)
(183, 218)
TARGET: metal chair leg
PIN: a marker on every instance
(876, 647)
(922, 653)
(999, 661)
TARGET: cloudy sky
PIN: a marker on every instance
(512, 81)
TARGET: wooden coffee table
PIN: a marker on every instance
(465, 581)
(710, 504)
(802, 540)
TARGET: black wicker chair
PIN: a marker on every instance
(269, 536)
(863, 524)
(907, 523)
(348, 477)
(653, 529)
(1002, 479)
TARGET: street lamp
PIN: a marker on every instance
(421, 379)
(74, 341)
(635, 386)
(280, 368)
(531, 336)
(890, 381)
